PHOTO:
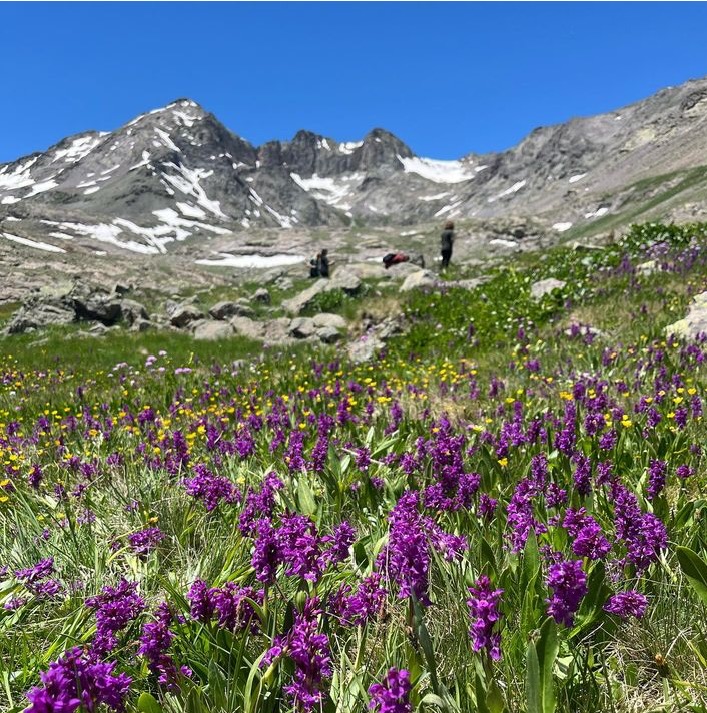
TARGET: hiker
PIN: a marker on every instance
(323, 263)
(447, 241)
(394, 259)
(314, 266)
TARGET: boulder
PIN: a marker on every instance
(301, 327)
(141, 325)
(98, 308)
(226, 310)
(184, 314)
(283, 283)
(41, 314)
(545, 287)
(327, 319)
(133, 311)
(345, 280)
(695, 323)
(247, 327)
(210, 330)
(297, 303)
(276, 331)
(419, 279)
(328, 335)
(120, 289)
(262, 295)
(364, 349)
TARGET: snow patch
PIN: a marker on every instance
(188, 182)
(437, 171)
(191, 211)
(93, 189)
(48, 247)
(561, 227)
(597, 213)
(348, 147)
(436, 197)
(41, 187)
(578, 177)
(513, 189)
(19, 178)
(9, 200)
(252, 261)
(327, 189)
(78, 149)
(166, 140)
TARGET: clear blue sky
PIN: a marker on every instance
(448, 78)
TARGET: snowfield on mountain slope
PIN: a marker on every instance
(438, 171)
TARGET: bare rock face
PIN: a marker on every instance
(695, 323)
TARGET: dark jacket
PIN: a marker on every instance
(447, 239)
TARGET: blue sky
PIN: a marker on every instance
(448, 78)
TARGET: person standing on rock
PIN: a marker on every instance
(323, 263)
(447, 240)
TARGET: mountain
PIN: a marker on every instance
(177, 173)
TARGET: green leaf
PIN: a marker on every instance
(147, 703)
(695, 569)
(305, 498)
(541, 659)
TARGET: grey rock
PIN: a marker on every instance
(301, 327)
(646, 268)
(276, 331)
(544, 287)
(419, 279)
(133, 311)
(210, 330)
(328, 335)
(121, 289)
(184, 314)
(226, 310)
(141, 325)
(98, 308)
(36, 316)
(284, 283)
(364, 349)
(262, 295)
(327, 319)
(345, 280)
(247, 327)
(695, 323)
(296, 304)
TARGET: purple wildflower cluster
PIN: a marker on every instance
(76, 681)
(309, 651)
(296, 544)
(406, 559)
(231, 605)
(393, 695)
(145, 540)
(364, 605)
(210, 488)
(484, 613)
(115, 608)
(626, 604)
(569, 584)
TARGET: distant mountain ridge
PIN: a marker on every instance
(176, 173)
